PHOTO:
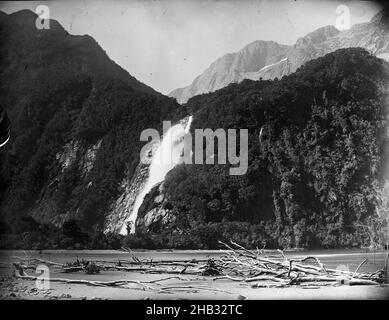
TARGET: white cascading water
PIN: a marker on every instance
(167, 156)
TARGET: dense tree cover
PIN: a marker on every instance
(378, 225)
(27, 233)
(61, 90)
(312, 174)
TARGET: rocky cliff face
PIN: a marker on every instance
(154, 212)
(72, 154)
(141, 202)
(268, 60)
(130, 187)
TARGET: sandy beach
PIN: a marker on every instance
(183, 286)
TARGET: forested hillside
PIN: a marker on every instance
(318, 151)
(313, 173)
(76, 117)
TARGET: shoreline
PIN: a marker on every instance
(17, 289)
(202, 287)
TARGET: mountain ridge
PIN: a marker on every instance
(75, 120)
(25, 19)
(313, 45)
(318, 152)
(73, 159)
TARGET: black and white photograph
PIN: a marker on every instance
(211, 150)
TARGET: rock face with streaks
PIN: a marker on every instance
(130, 187)
(268, 59)
(155, 211)
(72, 154)
(144, 191)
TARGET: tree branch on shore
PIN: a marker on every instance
(251, 268)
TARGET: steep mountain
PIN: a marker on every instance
(247, 63)
(373, 36)
(76, 117)
(318, 146)
(318, 151)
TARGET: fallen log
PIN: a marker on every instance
(238, 264)
(21, 274)
(242, 263)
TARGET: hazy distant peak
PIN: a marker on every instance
(317, 36)
(258, 43)
(246, 63)
(269, 60)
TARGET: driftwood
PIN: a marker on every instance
(149, 266)
(20, 273)
(154, 285)
(253, 268)
(240, 264)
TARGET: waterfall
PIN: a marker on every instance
(166, 157)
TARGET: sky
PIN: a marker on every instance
(167, 44)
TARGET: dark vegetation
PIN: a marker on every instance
(312, 176)
(29, 234)
(58, 89)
